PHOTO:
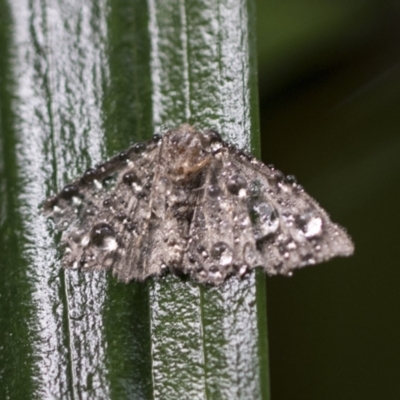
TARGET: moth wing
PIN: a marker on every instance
(172, 207)
(290, 228)
(106, 213)
(221, 238)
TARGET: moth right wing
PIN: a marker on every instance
(291, 229)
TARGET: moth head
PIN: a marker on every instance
(187, 151)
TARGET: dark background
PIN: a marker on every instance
(329, 82)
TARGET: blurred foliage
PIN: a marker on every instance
(330, 97)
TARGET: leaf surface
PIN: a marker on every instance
(83, 80)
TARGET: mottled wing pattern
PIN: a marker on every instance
(222, 241)
(290, 228)
(172, 207)
(189, 203)
(106, 215)
(249, 215)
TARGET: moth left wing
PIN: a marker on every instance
(106, 212)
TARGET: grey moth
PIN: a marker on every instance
(189, 203)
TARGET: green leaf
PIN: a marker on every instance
(80, 81)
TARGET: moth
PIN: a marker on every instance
(189, 203)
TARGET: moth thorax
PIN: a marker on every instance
(185, 152)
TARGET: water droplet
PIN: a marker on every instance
(76, 201)
(266, 219)
(108, 202)
(291, 180)
(313, 227)
(101, 166)
(76, 236)
(100, 232)
(255, 189)
(109, 182)
(210, 136)
(277, 175)
(213, 269)
(130, 226)
(69, 191)
(85, 240)
(235, 183)
(308, 258)
(138, 189)
(202, 251)
(51, 202)
(97, 184)
(57, 210)
(297, 188)
(120, 216)
(123, 156)
(216, 147)
(214, 191)
(91, 211)
(156, 138)
(221, 252)
(83, 262)
(214, 272)
(139, 148)
(242, 270)
(201, 271)
(130, 177)
(90, 175)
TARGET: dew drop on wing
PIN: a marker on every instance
(222, 253)
(309, 226)
(266, 220)
(107, 202)
(103, 235)
(156, 138)
(290, 179)
(120, 216)
(313, 227)
(90, 175)
(214, 191)
(69, 191)
(91, 211)
(109, 182)
(235, 183)
(123, 156)
(139, 148)
(130, 177)
(214, 273)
